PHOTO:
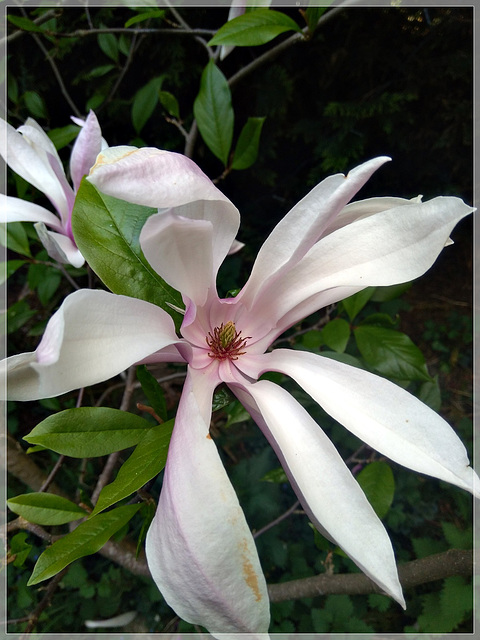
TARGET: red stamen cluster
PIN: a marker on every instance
(226, 342)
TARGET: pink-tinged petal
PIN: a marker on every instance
(92, 337)
(364, 208)
(181, 252)
(85, 150)
(152, 177)
(301, 228)
(391, 247)
(59, 247)
(380, 413)
(236, 246)
(18, 210)
(199, 547)
(25, 154)
(330, 495)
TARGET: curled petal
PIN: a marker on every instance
(18, 210)
(181, 252)
(330, 495)
(85, 150)
(199, 548)
(380, 413)
(391, 247)
(152, 177)
(93, 336)
(301, 228)
(59, 247)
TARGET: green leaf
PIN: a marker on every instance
(336, 334)
(277, 476)
(144, 102)
(246, 151)
(254, 28)
(378, 484)
(146, 461)
(20, 548)
(87, 538)
(380, 320)
(107, 233)
(146, 15)
(25, 24)
(354, 304)
(63, 135)
(392, 353)
(214, 112)
(109, 45)
(385, 294)
(45, 508)
(221, 398)
(17, 315)
(169, 103)
(8, 268)
(98, 72)
(14, 237)
(88, 432)
(430, 394)
(313, 15)
(43, 279)
(153, 391)
(35, 104)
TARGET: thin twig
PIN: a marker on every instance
(280, 518)
(112, 460)
(56, 72)
(43, 604)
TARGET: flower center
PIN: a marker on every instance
(226, 342)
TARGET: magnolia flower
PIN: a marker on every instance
(30, 153)
(199, 548)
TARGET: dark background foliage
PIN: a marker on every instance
(391, 81)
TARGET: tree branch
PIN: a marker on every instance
(454, 562)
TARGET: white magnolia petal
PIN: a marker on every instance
(199, 547)
(364, 208)
(18, 210)
(92, 337)
(382, 414)
(31, 162)
(391, 247)
(181, 252)
(329, 493)
(59, 246)
(152, 177)
(85, 150)
(301, 228)
(33, 131)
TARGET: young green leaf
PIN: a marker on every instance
(107, 233)
(35, 104)
(246, 150)
(336, 334)
(87, 538)
(146, 15)
(109, 45)
(144, 102)
(391, 352)
(88, 432)
(153, 391)
(14, 237)
(254, 28)
(45, 508)
(354, 304)
(377, 481)
(62, 136)
(146, 461)
(8, 268)
(169, 103)
(214, 112)
(25, 24)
